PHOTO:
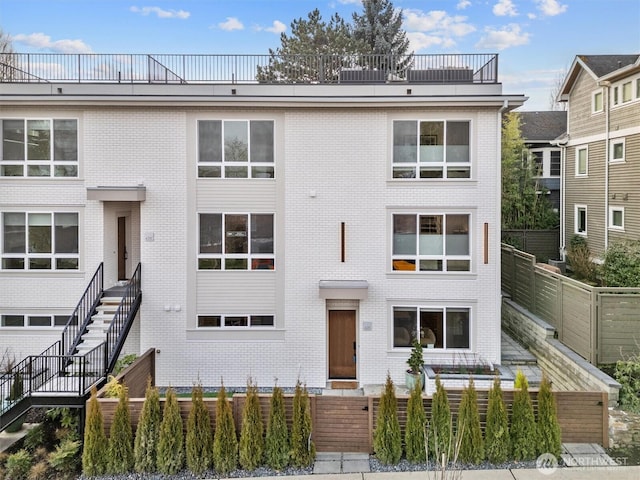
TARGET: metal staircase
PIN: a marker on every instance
(91, 342)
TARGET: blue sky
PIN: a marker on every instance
(537, 40)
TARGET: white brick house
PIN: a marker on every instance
(284, 230)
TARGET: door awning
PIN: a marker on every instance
(117, 194)
(344, 289)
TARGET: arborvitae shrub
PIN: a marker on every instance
(199, 440)
(171, 443)
(277, 441)
(252, 432)
(471, 443)
(94, 453)
(414, 438)
(440, 441)
(387, 439)
(497, 443)
(121, 438)
(225, 441)
(524, 438)
(145, 449)
(303, 450)
(549, 436)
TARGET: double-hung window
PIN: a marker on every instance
(433, 327)
(627, 92)
(236, 149)
(431, 149)
(39, 148)
(597, 104)
(431, 243)
(39, 241)
(236, 241)
(582, 161)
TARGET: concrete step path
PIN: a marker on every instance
(340, 462)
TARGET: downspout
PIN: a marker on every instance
(505, 106)
(607, 85)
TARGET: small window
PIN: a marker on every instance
(537, 157)
(638, 88)
(582, 161)
(616, 218)
(627, 92)
(616, 95)
(554, 165)
(597, 102)
(617, 150)
(235, 321)
(12, 321)
(581, 219)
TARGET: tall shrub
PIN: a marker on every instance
(471, 443)
(303, 450)
(277, 440)
(497, 443)
(549, 436)
(252, 432)
(524, 438)
(145, 449)
(225, 441)
(414, 438)
(171, 443)
(199, 439)
(440, 435)
(387, 440)
(94, 455)
(121, 438)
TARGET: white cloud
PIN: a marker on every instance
(232, 23)
(350, 2)
(421, 41)
(531, 16)
(505, 8)
(278, 27)
(462, 4)
(551, 8)
(44, 42)
(426, 28)
(508, 36)
(160, 13)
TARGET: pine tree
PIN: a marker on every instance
(471, 443)
(121, 438)
(277, 441)
(497, 442)
(303, 450)
(414, 438)
(145, 449)
(94, 458)
(524, 438)
(225, 441)
(440, 434)
(199, 438)
(252, 432)
(549, 435)
(387, 439)
(171, 444)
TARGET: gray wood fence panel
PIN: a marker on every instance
(576, 330)
(544, 244)
(619, 326)
(523, 276)
(547, 297)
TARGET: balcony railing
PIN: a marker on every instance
(238, 69)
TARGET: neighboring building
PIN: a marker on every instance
(539, 130)
(285, 231)
(602, 168)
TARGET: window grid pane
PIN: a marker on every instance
(437, 328)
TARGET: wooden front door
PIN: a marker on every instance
(122, 248)
(342, 344)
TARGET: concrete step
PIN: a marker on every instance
(111, 300)
(107, 308)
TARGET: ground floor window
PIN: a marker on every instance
(38, 321)
(235, 321)
(434, 327)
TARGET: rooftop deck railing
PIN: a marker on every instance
(237, 69)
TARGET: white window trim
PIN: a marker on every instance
(614, 142)
(575, 220)
(248, 327)
(577, 160)
(25, 321)
(630, 84)
(593, 101)
(611, 225)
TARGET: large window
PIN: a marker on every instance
(235, 321)
(39, 148)
(236, 241)
(236, 148)
(431, 243)
(581, 219)
(582, 161)
(431, 149)
(39, 241)
(440, 327)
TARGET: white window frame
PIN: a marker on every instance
(26, 317)
(248, 326)
(433, 308)
(594, 104)
(576, 211)
(612, 144)
(551, 154)
(577, 160)
(615, 95)
(613, 209)
(626, 92)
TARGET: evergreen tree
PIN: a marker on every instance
(94, 455)
(199, 439)
(414, 438)
(225, 441)
(145, 449)
(497, 441)
(471, 443)
(440, 434)
(252, 432)
(121, 438)
(549, 435)
(277, 441)
(303, 450)
(387, 439)
(524, 438)
(171, 443)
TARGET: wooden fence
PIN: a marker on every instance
(544, 244)
(601, 324)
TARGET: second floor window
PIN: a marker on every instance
(431, 149)
(236, 149)
(582, 161)
(39, 148)
(554, 163)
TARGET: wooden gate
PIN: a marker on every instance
(342, 424)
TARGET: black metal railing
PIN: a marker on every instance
(232, 69)
(81, 316)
